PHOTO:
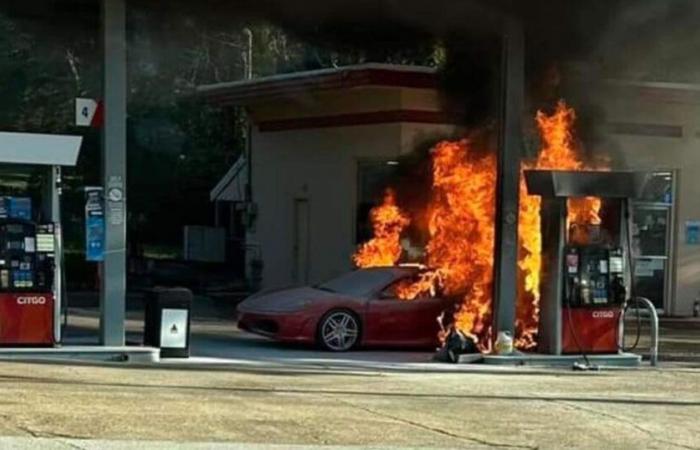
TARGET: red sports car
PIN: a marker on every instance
(359, 308)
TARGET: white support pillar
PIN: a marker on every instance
(55, 187)
(113, 284)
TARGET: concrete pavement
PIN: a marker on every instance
(21, 443)
(240, 391)
(621, 409)
(217, 340)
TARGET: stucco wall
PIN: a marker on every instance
(323, 103)
(650, 152)
(356, 100)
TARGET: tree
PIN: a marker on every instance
(177, 145)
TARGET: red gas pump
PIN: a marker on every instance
(27, 300)
(594, 294)
(31, 248)
(584, 282)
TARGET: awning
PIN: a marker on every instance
(43, 149)
(231, 188)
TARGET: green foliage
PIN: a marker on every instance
(178, 147)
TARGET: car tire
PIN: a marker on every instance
(339, 330)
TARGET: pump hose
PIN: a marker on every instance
(589, 366)
(639, 325)
(633, 296)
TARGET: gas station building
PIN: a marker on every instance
(323, 145)
(374, 114)
(647, 127)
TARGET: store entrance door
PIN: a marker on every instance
(653, 240)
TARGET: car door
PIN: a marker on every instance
(393, 321)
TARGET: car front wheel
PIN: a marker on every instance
(339, 331)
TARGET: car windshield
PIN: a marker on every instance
(359, 282)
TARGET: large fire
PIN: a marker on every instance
(460, 251)
(462, 232)
(384, 249)
(559, 151)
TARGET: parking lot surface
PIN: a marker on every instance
(625, 409)
(240, 390)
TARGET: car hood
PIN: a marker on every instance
(287, 300)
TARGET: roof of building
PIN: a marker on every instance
(372, 74)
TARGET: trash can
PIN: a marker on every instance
(167, 321)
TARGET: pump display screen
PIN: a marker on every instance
(45, 243)
(26, 256)
(616, 264)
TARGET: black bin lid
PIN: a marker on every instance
(164, 296)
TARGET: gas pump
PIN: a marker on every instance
(27, 297)
(594, 294)
(31, 263)
(585, 281)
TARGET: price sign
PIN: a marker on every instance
(88, 113)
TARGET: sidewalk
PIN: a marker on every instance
(22, 443)
(91, 407)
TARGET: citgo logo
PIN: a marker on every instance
(603, 314)
(31, 300)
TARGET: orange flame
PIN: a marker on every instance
(384, 249)
(461, 228)
(426, 286)
(461, 216)
(559, 152)
(461, 236)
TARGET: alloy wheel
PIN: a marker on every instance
(340, 331)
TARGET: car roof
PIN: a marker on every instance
(395, 271)
(361, 281)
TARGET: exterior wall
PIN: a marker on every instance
(648, 145)
(324, 103)
(319, 165)
(357, 100)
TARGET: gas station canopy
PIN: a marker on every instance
(42, 149)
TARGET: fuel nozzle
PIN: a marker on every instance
(618, 290)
